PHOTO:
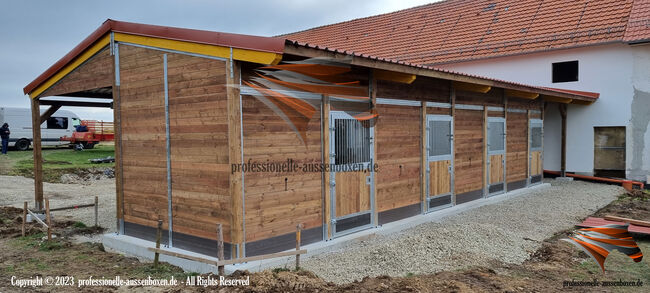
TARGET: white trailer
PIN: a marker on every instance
(61, 123)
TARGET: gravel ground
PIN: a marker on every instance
(508, 231)
(15, 190)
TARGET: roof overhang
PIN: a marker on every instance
(465, 81)
(269, 50)
(264, 50)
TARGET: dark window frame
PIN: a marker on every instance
(567, 71)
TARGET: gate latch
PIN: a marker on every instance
(368, 180)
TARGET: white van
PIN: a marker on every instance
(61, 123)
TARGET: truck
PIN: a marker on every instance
(61, 123)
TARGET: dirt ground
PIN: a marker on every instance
(546, 271)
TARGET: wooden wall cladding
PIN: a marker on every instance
(198, 140)
(422, 89)
(96, 72)
(397, 143)
(199, 145)
(468, 145)
(492, 98)
(143, 136)
(516, 146)
(276, 202)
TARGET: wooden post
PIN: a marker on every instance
(423, 157)
(325, 120)
(24, 218)
(49, 219)
(298, 230)
(220, 253)
(96, 210)
(158, 236)
(235, 156)
(38, 157)
(563, 113)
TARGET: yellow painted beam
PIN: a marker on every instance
(521, 94)
(91, 51)
(394, 76)
(471, 87)
(557, 99)
(202, 49)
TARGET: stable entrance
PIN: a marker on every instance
(351, 145)
(496, 155)
(440, 165)
(535, 164)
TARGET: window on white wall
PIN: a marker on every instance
(565, 71)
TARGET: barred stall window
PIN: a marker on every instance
(352, 141)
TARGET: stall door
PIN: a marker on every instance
(440, 166)
(496, 155)
(536, 142)
(351, 180)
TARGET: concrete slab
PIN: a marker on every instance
(564, 178)
(132, 246)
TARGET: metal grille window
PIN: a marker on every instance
(495, 136)
(351, 141)
(439, 138)
(536, 137)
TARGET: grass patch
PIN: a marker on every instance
(28, 241)
(56, 162)
(277, 270)
(50, 245)
(79, 225)
(163, 270)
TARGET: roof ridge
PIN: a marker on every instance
(366, 17)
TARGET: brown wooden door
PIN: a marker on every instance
(350, 176)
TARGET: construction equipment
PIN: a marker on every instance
(89, 133)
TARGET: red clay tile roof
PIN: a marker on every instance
(456, 30)
(638, 27)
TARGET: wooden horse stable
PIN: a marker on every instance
(189, 120)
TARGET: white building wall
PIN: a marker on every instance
(614, 71)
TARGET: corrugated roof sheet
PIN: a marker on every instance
(456, 30)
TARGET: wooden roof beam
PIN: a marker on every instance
(394, 76)
(521, 94)
(77, 104)
(471, 87)
(557, 99)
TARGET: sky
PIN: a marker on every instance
(35, 34)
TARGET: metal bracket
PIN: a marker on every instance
(333, 221)
(368, 180)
